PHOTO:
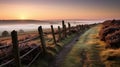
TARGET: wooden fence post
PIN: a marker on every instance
(65, 31)
(16, 52)
(63, 23)
(59, 32)
(53, 33)
(69, 27)
(41, 36)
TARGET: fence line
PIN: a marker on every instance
(21, 57)
(5, 46)
(62, 34)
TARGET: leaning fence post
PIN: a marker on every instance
(16, 52)
(53, 33)
(41, 36)
(59, 32)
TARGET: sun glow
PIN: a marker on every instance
(23, 18)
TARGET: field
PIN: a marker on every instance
(97, 46)
(32, 44)
(6, 41)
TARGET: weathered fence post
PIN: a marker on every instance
(59, 32)
(69, 27)
(16, 52)
(63, 28)
(65, 31)
(53, 33)
(63, 23)
(41, 36)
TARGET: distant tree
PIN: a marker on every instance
(5, 33)
(21, 31)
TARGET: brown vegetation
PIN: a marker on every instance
(110, 33)
(6, 53)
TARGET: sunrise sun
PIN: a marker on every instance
(22, 17)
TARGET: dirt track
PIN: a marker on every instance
(82, 51)
(62, 54)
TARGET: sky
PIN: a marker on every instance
(59, 9)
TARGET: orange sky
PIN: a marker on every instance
(55, 11)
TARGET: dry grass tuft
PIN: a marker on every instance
(110, 54)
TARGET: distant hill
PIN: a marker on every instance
(26, 22)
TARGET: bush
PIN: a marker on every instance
(21, 31)
(113, 40)
(5, 33)
(110, 33)
(109, 30)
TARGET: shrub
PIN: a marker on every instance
(5, 33)
(113, 40)
(21, 31)
(110, 33)
(109, 30)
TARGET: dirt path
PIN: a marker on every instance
(84, 53)
(66, 49)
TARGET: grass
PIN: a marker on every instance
(111, 57)
(23, 36)
(43, 62)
